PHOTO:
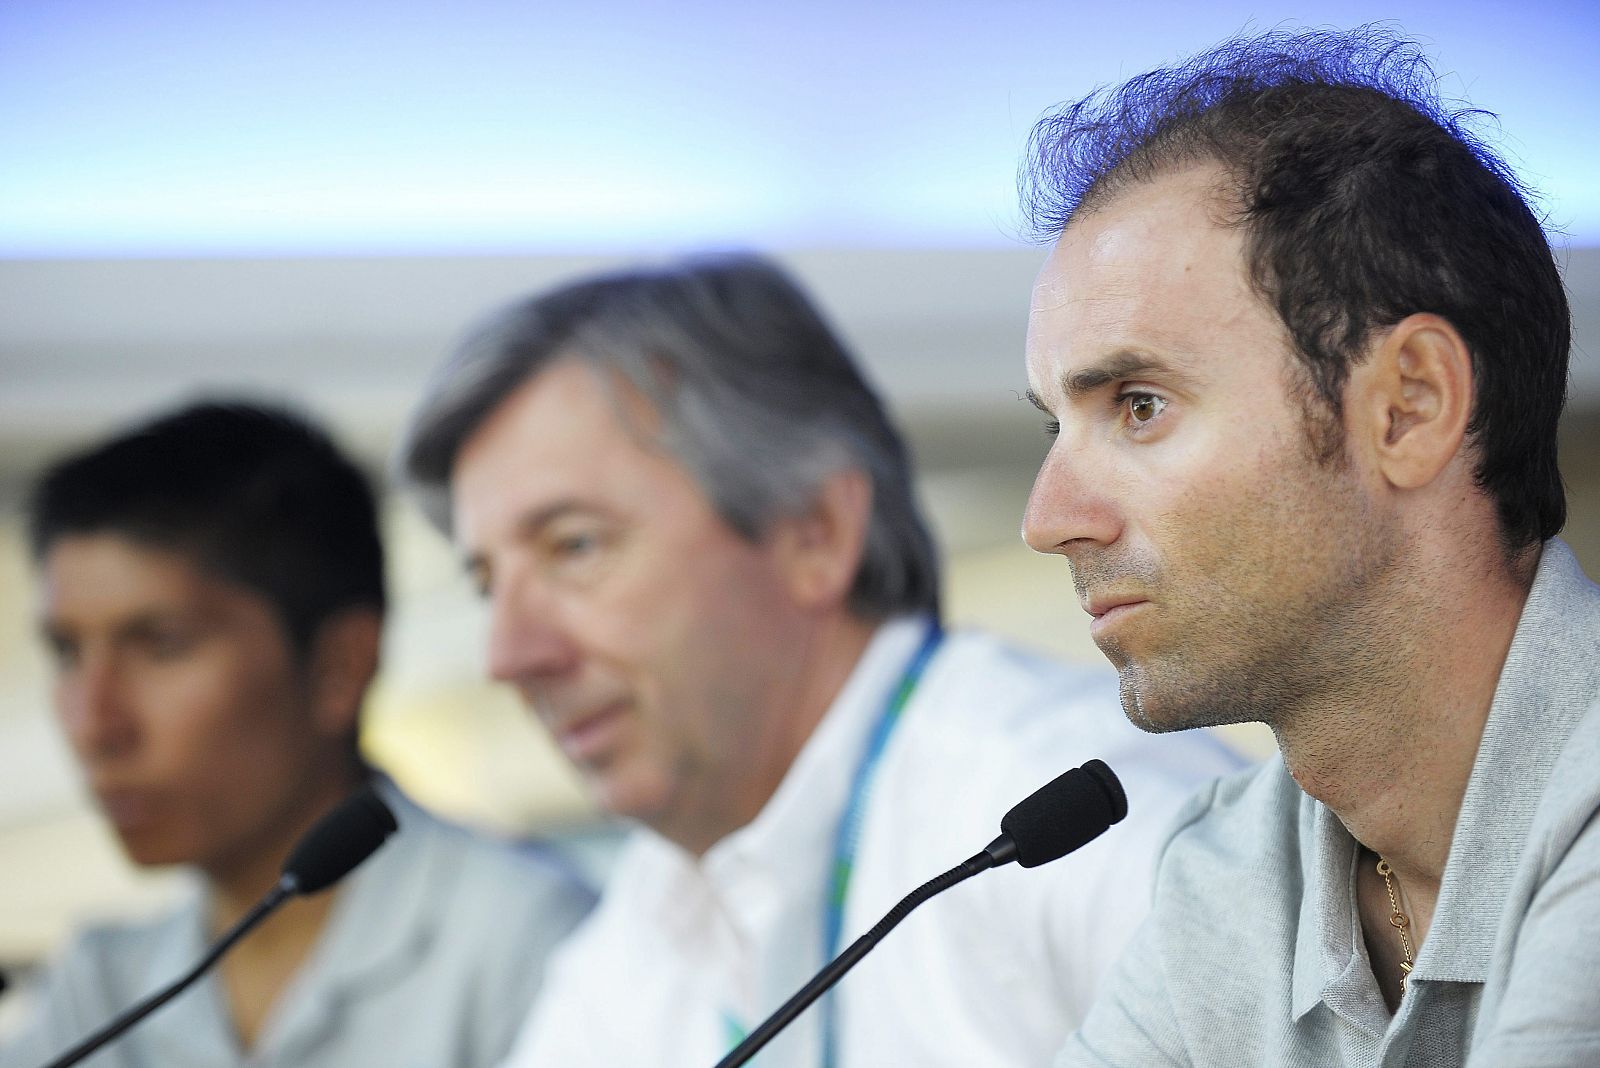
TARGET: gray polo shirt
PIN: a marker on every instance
(432, 953)
(1253, 953)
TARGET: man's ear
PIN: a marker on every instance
(821, 549)
(342, 663)
(1413, 398)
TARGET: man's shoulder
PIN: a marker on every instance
(458, 913)
(477, 874)
(1253, 821)
(1571, 796)
(105, 944)
(104, 964)
(483, 858)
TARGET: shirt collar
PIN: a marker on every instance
(1545, 681)
(1325, 943)
(786, 834)
(1545, 688)
(795, 827)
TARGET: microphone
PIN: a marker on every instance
(1069, 811)
(335, 844)
(338, 842)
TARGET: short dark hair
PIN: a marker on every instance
(760, 400)
(252, 494)
(1364, 199)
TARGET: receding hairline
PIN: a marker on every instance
(1218, 182)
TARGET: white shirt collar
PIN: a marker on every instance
(781, 847)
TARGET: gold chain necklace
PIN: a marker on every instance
(1398, 921)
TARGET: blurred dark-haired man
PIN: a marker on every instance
(706, 573)
(211, 589)
(1303, 347)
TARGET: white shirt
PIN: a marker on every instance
(431, 955)
(996, 971)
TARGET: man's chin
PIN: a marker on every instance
(624, 797)
(1134, 708)
(1165, 706)
(148, 851)
(1153, 707)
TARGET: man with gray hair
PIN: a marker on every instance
(693, 524)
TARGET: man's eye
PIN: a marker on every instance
(63, 652)
(578, 553)
(1144, 407)
(576, 544)
(169, 645)
(1052, 427)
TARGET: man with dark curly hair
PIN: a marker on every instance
(1303, 348)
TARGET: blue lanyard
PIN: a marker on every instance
(848, 834)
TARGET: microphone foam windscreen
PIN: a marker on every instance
(340, 840)
(1068, 811)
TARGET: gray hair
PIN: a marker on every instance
(759, 400)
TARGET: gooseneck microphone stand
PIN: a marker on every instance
(333, 846)
(1067, 812)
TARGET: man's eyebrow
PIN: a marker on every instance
(152, 620)
(1122, 365)
(1033, 399)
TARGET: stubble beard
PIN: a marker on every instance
(1236, 655)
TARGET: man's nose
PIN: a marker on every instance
(1070, 506)
(94, 707)
(529, 640)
